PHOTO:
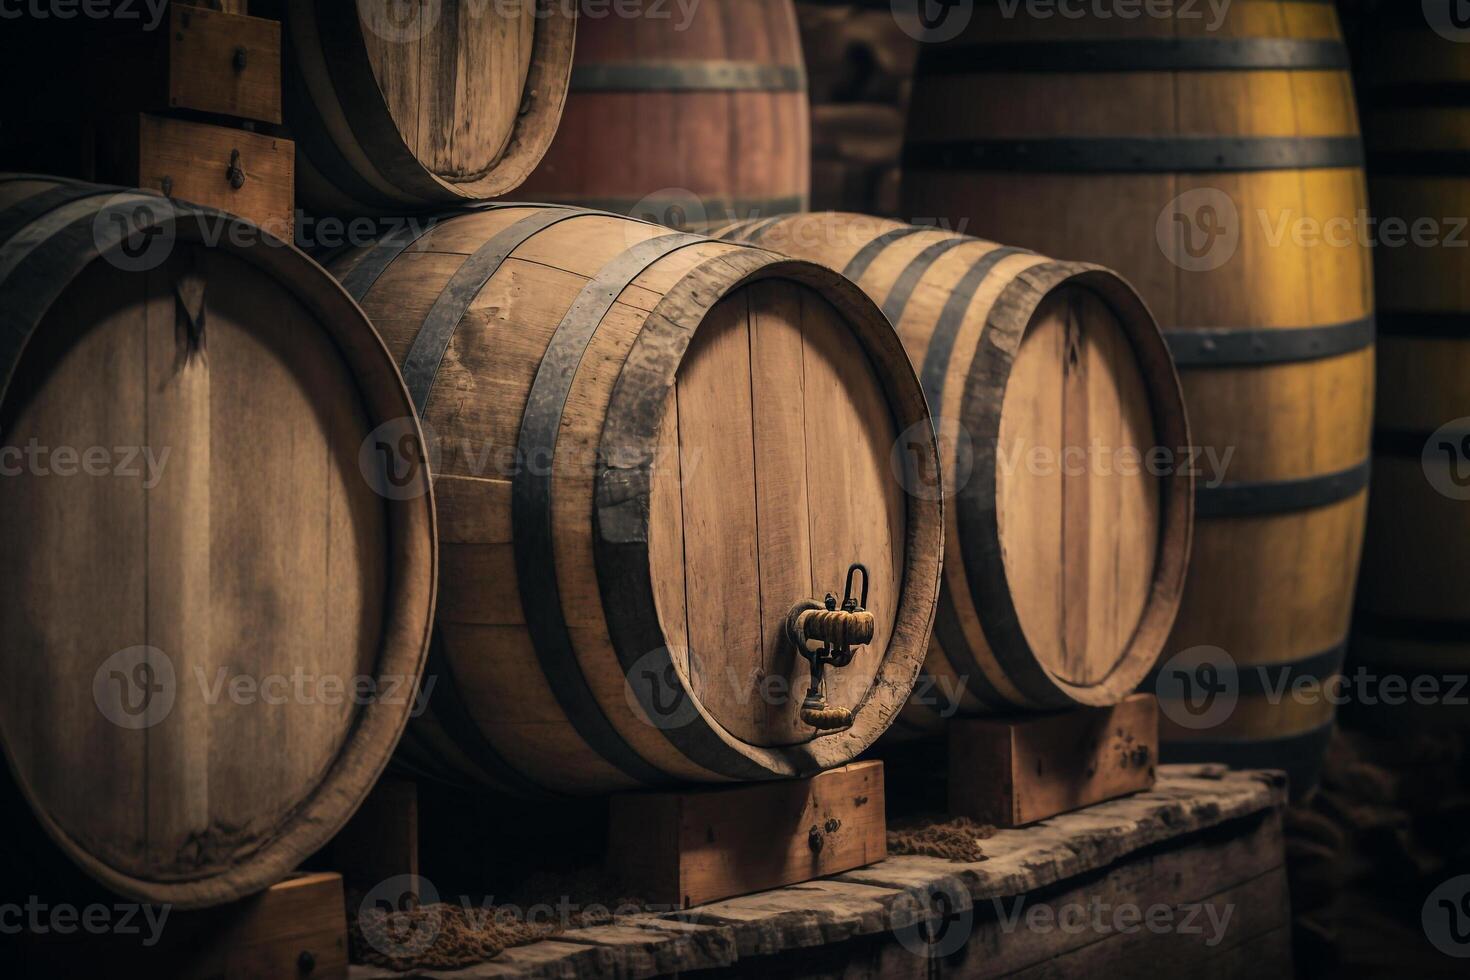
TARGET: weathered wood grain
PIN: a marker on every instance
(1202, 822)
(1020, 769)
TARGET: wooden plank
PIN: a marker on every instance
(781, 496)
(192, 162)
(224, 63)
(688, 848)
(721, 553)
(177, 519)
(842, 926)
(1210, 891)
(1182, 951)
(1038, 766)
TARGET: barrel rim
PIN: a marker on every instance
(621, 515)
(411, 181)
(412, 567)
(1044, 689)
(976, 507)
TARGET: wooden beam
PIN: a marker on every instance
(683, 849)
(1017, 770)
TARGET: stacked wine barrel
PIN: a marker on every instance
(1066, 564)
(191, 494)
(687, 119)
(700, 440)
(1186, 153)
(455, 103)
(653, 446)
(1412, 624)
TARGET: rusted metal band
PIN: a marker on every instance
(947, 328)
(1253, 679)
(532, 504)
(1136, 55)
(1143, 155)
(1230, 347)
(1251, 499)
(360, 278)
(903, 287)
(858, 264)
(421, 366)
(687, 76)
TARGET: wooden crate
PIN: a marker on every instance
(198, 60)
(193, 161)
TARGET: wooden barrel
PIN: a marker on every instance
(206, 562)
(401, 107)
(1066, 564)
(1198, 154)
(1412, 622)
(693, 118)
(652, 447)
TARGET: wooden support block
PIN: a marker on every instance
(192, 161)
(199, 59)
(298, 928)
(381, 841)
(1017, 770)
(687, 848)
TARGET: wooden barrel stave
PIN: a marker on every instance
(371, 141)
(949, 297)
(685, 123)
(544, 340)
(1275, 348)
(204, 808)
